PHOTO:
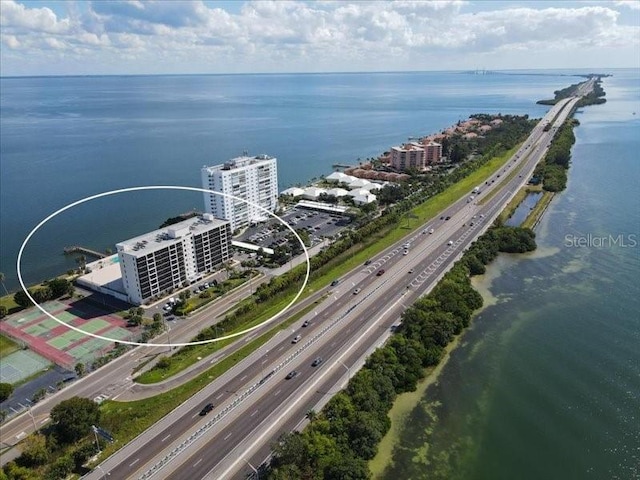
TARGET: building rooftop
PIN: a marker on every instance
(238, 162)
(159, 238)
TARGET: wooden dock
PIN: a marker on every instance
(86, 251)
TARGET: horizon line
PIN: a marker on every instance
(364, 72)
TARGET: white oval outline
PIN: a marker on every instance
(159, 187)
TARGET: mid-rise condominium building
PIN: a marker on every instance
(408, 156)
(158, 262)
(432, 152)
(254, 179)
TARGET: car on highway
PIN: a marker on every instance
(206, 409)
(431, 230)
(410, 271)
(335, 282)
(406, 252)
(306, 323)
(380, 272)
(291, 374)
(357, 291)
(368, 262)
(450, 243)
(316, 362)
(296, 339)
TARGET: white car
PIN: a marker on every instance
(450, 243)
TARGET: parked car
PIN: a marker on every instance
(206, 409)
(450, 243)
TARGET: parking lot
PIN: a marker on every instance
(318, 224)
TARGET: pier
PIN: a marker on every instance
(87, 251)
(340, 165)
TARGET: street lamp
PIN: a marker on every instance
(104, 474)
(35, 428)
(253, 468)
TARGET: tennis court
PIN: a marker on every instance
(56, 341)
(20, 365)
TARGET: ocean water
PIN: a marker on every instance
(546, 382)
(64, 138)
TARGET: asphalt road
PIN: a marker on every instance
(249, 414)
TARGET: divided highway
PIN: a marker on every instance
(254, 403)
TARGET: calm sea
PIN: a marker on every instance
(546, 383)
(64, 138)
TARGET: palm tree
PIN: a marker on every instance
(2, 277)
(311, 415)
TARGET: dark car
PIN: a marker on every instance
(306, 323)
(380, 272)
(206, 409)
(316, 362)
(291, 374)
(335, 282)
(368, 262)
(447, 218)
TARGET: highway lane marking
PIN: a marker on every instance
(219, 396)
(275, 394)
(227, 437)
(197, 463)
(134, 462)
(254, 413)
(165, 438)
(243, 378)
(312, 386)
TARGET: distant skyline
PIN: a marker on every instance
(67, 37)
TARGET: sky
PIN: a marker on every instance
(68, 37)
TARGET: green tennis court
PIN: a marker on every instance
(95, 325)
(65, 317)
(36, 330)
(63, 341)
(20, 365)
(118, 333)
(49, 323)
(26, 318)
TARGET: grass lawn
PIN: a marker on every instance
(7, 346)
(10, 304)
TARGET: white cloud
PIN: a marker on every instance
(632, 4)
(289, 35)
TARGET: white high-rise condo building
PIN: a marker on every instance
(158, 262)
(254, 179)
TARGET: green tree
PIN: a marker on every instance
(6, 389)
(61, 468)
(34, 451)
(80, 369)
(72, 418)
(16, 472)
(3, 311)
(157, 317)
(59, 287)
(39, 395)
(3, 415)
(20, 297)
